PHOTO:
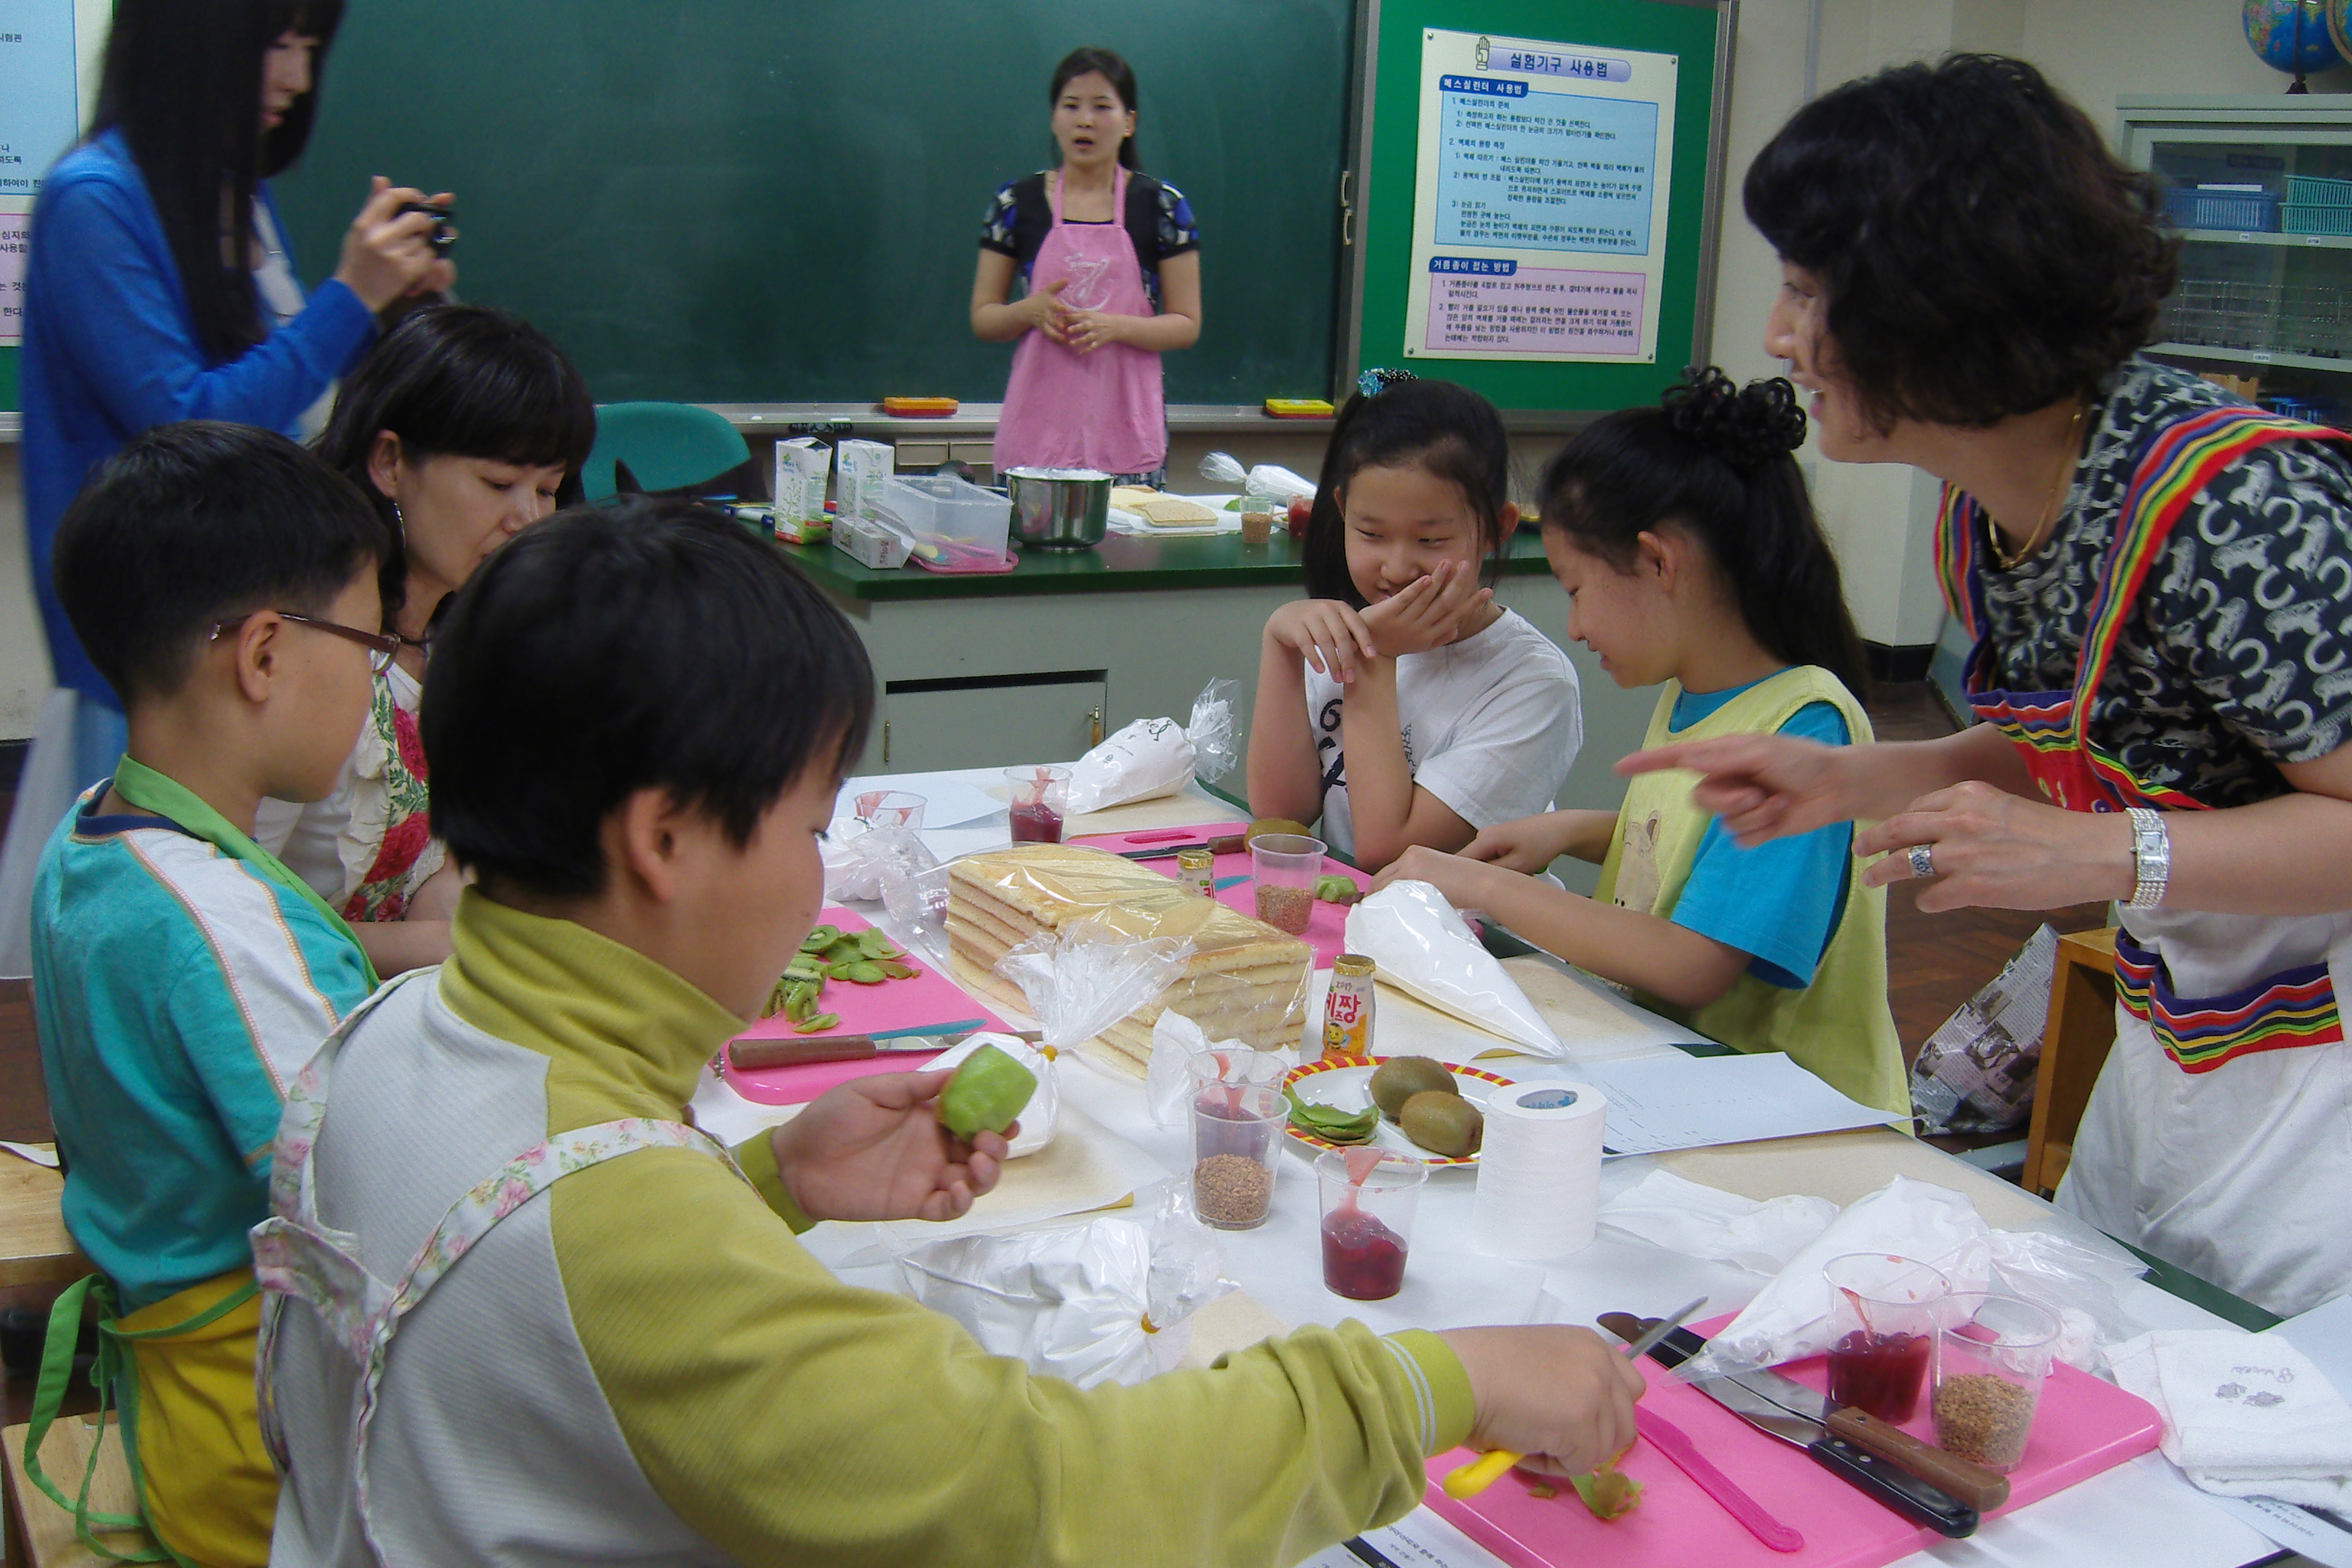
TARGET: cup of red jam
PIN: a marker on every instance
(1368, 1199)
(1883, 1326)
(1036, 800)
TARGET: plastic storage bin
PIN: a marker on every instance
(2198, 206)
(2310, 190)
(2315, 218)
(955, 524)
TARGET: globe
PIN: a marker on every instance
(2294, 36)
(2339, 26)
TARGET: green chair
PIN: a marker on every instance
(661, 447)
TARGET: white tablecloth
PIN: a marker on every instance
(2137, 1516)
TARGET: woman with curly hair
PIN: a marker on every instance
(1691, 557)
(2158, 577)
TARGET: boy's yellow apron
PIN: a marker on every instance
(1840, 1026)
(182, 1371)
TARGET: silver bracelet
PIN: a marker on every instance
(2151, 859)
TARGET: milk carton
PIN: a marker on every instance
(803, 464)
(861, 466)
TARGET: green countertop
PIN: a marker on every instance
(1119, 564)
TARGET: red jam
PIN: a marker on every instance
(1037, 824)
(1362, 1258)
(1879, 1373)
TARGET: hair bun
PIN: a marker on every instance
(1745, 427)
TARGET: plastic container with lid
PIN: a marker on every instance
(954, 523)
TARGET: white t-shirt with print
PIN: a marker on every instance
(1490, 725)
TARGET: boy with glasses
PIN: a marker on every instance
(219, 576)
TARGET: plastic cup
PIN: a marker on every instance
(1368, 1199)
(1237, 1139)
(1283, 866)
(888, 808)
(1883, 1317)
(1037, 798)
(1991, 1357)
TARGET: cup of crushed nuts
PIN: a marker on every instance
(1283, 866)
(1237, 1139)
(1992, 1354)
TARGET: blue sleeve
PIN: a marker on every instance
(1777, 902)
(126, 329)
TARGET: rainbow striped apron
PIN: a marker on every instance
(2199, 1166)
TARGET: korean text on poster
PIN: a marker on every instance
(1539, 221)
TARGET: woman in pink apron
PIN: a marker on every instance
(1111, 266)
(2158, 577)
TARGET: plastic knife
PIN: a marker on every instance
(1673, 1442)
(1922, 1483)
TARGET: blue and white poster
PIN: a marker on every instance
(1540, 219)
(38, 120)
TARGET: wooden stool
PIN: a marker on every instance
(33, 1247)
(40, 1533)
(2075, 1046)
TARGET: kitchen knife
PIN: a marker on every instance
(754, 1055)
(1907, 1481)
(1232, 844)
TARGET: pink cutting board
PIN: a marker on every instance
(930, 1003)
(1327, 928)
(2084, 1426)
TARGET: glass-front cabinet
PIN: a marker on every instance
(2261, 191)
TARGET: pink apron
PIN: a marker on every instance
(1102, 410)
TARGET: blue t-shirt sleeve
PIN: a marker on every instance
(1776, 902)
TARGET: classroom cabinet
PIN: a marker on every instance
(963, 724)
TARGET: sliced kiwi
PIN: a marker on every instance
(1443, 1123)
(1399, 1079)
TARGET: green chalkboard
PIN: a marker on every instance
(1688, 31)
(759, 201)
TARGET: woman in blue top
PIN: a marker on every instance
(158, 286)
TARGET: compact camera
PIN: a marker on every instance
(445, 230)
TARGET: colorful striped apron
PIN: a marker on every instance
(2291, 1006)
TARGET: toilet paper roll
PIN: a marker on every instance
(1539, 1171)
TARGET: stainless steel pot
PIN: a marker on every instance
(1058, 508)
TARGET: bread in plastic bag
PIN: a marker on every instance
(1266, 479)
(1044, 1108)
(1240, 979)
(1178, 1045)
(1425, 948)
(1108, 1302)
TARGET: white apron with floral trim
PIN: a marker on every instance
(298, 1259)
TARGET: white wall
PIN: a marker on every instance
(1880, 520)
(23, 656)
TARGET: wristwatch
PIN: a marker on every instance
(2151, 859)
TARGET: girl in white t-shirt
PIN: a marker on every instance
(1397, 702)
(464, 427)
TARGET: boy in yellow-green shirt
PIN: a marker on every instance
(585, 1333)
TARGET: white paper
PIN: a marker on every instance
(39, 1154)
(2315, 1535)
(1691, 1102)
(948, 801)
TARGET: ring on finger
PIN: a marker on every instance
(1923, 860)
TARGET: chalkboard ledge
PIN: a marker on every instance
(979, 419)
(12, 427)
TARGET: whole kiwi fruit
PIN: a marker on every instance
(1266, 825)
(1399, 1079)
(1443, 1123)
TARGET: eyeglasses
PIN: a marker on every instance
(380, 645)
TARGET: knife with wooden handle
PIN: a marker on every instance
(753, 1056)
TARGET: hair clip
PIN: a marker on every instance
(1372, 382)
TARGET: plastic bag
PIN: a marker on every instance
(1426, 949)
(1790, 1318)
(1214, 733)
(1976, 1072)
(1042, 1109)
(1108, 1302)
(2083, 1287)
(1178, 1042)
(1698, 1221)
(1266, 479)
(865, 865)
(1144, 760)
(1082, 979)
